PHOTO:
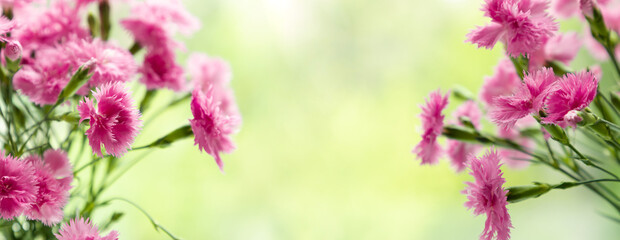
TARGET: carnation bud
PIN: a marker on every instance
(13, 50)
(520, 193)
(585, 118)
(557, 133)
(460, 133)
(90, 64)
(573, 118)
(587, 8)
(462, 93)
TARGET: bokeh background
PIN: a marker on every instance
(329, 93)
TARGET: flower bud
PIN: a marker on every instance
(573, 118)
(13, 50)
(586, 118)
(557, 133)
(587, 8)
(520, 193)
(462, 93)
(460, 133)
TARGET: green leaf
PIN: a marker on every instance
(19, 117)
(178, 134)
(146, 101)
(78, 80)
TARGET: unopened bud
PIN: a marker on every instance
(585, 118)
(13, 50)
(520, 193)
(587, 8)
(557, 133)
(572, 118)
(460, 133)
(462, 93)
(90, 64)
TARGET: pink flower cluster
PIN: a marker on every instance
(153, 24)
(54, 58)
(541, 91)
(610, 9)
(53, 45)
(34, 186)
(524, 105)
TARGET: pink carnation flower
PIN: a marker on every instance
(171, 14)
(57, 163)
(149, 34)
(565, 8)
(17, 186)
(43, 80)
(41, 27)
(212, 127)
(503, 82)
(152, 23)
(522, 25)
(82, 229)
(15, 3)
(432, 124)
(6, 26)
(161, 71)
(112, 64)
(527, 99)
(561, 47)
(459, 151)
(52, 193)
(115, 123)
(486, 195)
(574, 93)
(207, 71)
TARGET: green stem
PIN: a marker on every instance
(135, 48)
(612, 56)
(611, 105)
(598, 192)
(156, 225)
(86, 165)
(38, 126)
(590, 163)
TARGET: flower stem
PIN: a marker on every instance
(156, 225)
(588, 162)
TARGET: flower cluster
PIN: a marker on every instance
(65, 83)
(34, 186)
(538, 105)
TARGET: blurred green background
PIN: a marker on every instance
(329, 93)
